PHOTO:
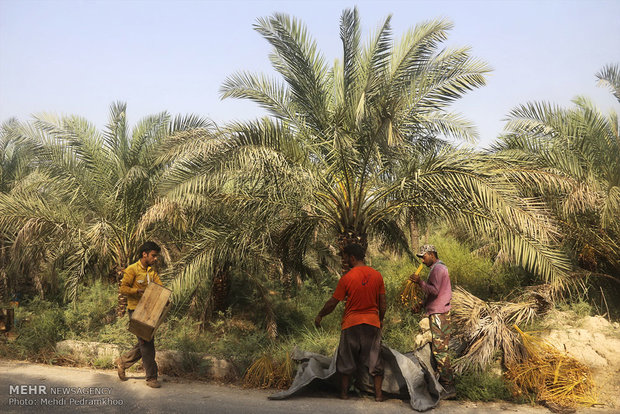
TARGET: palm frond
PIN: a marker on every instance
(609, 76)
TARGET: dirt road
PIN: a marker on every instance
(35, 388)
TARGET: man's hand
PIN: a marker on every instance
(414, 278)
(140, 292)
(317, 321)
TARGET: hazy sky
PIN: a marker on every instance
(77, 57)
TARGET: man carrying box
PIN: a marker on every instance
(135, 280)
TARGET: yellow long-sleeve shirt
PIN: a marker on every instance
(137, 277)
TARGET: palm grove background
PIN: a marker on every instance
(252, 216)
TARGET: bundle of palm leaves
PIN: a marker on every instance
(484, 327)
(266, 372)
(412, 296)
(556, 378)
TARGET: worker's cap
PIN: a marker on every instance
(425, 249)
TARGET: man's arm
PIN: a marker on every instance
(156, 278)
(328, 308)
(434, 281)
(126, 284)
(382, 307)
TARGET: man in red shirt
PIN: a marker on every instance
(360, 338)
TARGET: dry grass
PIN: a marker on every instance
(556, 378)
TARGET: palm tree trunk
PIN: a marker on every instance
(217, 299)
(118, 272)
(5, 291)
(4, 287)
(414, 234)
(121, 307)
(220, 289)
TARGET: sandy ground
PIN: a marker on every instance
(47, 390)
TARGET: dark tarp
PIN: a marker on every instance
(408, 376)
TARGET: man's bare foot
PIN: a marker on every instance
(380, 398)
(344, 396)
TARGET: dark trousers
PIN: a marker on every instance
(145, 350)
(360, 345)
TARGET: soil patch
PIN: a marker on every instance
(595, 342)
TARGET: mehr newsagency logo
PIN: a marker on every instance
(45, 395)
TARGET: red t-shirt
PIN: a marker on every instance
(362, 286)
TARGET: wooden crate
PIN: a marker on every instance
(150, 311)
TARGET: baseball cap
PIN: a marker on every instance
(425, 249)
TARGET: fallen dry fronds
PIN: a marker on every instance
(261, 374)
(284, 373)
(555, 377)
(483, 328)
(266, 372)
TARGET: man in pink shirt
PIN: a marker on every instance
(438, 291)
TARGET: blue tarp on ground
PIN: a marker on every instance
(406, 375)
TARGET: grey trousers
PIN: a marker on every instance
(145, 350)
(360, 345)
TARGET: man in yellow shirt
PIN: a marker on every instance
(135, 280)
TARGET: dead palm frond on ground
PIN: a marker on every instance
(270, 372)
(484, 329)
(558, 380)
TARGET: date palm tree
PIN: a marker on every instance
(15, 164)
(79, 209)
(226, 231)
(581, 145)
(348, 149)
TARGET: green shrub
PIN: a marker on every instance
(233, 339)
(94, 308)
(40, 325)
(400, 328)
(579, 307)
(104, 362)
(320, 341)
(117, 333)
(290, 319)
(311, 298)
(481, 386)
(241, 350)
(182, 334)
(476, 274)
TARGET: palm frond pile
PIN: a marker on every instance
(484, 327)
(556, 378)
